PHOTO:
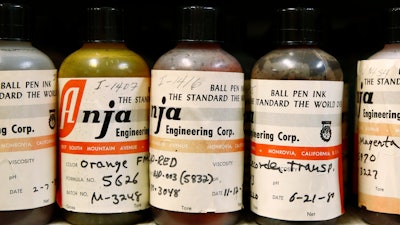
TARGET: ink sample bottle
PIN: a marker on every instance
(296, 98)
(104, 90)
(378, 114)
(196, 127)
(27, 123)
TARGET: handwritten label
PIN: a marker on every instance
(378, 118)
(197, 141)
(27, 139)
(117, 176)
(104, 144)
(296, 152)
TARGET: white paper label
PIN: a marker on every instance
(296, 149)
(104, 144)
(27, 139)
(378, 113)
(197, 141)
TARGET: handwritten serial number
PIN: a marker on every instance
(181, 82)
(117, 86)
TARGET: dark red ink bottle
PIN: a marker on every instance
(196, 128)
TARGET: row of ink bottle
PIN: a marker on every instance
(121, 143)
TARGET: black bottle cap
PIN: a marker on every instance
(393, 25)
(298, 26)
(105, 24)
(14, 22)
(199, 23)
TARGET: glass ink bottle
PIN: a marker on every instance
(28, 123)
(104, 90)
(296, 92)
(377, 119)
(196, 127)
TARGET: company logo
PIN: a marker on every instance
(52, 118)
(71, 97)
(326, 132)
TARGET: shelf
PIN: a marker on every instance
(350, 217)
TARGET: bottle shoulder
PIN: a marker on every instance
(389, 51)
(298, 64)
(23, 56)
(104, 62)
(198, 57)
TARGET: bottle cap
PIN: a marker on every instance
(393, 25)
(199, 23)
(298, 26)
(14, 22)
(105, 24)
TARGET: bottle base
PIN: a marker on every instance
(165, 217)
(37, 216)
(106, 219)
(269, 221)
(376, 218)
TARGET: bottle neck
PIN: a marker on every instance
(298, 46)
(198, 44)
(115, 45)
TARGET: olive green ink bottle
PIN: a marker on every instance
(103, 129)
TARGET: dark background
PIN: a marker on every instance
(354, 28)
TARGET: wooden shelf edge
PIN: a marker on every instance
(350, 217)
